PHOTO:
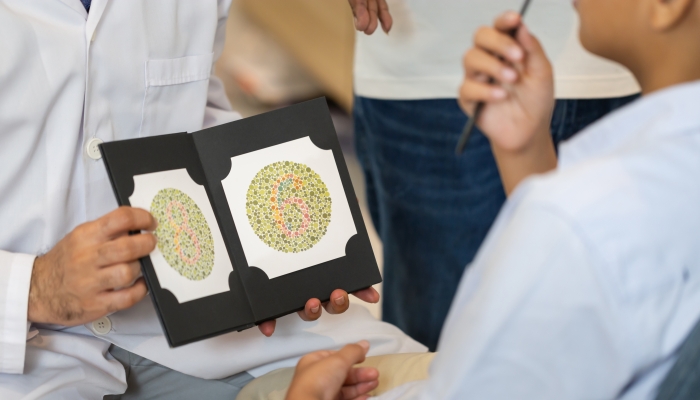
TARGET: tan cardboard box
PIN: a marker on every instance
(318, 33)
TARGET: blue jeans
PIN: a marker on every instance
(432, 209)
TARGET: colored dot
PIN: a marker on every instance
(184, 237)
(290, 201)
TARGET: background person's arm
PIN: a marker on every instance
(515, 80)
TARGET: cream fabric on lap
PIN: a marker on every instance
(394, 371)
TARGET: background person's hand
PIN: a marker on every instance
(520, 100)
(93, 271)
(338, 304)
(369, 14)
(330, 375)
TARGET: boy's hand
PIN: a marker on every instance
(369, 14)
(339, 304)
(329, 375)
(93, 271)
(520, 100)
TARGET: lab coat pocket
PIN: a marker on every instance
(175, 95)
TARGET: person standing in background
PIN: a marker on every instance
(432, 209)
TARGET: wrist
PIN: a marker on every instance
(35, 309)
(539, 139)
(534, 156)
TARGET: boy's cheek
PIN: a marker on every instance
(597, 27)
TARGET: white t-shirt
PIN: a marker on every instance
(421, 56)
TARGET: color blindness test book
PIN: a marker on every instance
(255, 217)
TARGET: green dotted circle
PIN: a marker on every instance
(288, 206)
(183, 234)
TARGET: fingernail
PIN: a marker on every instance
(499, 94)
(509, 75)
(314, 310)
(364, 344)
(340, 300)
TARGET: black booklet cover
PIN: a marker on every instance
(255, 217)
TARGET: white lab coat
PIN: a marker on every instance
(129, 69)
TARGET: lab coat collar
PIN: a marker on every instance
(97, 8)
(671, 111)
(76, 6)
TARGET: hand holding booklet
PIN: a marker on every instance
(255, 217)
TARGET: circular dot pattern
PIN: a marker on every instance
(183, 234)
(288, 206)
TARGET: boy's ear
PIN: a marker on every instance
(666, 14)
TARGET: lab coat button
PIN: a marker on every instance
(102, 326)
(92, 148)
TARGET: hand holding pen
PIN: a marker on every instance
(479, 107)
(513, 78)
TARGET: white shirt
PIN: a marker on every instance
(590, 279)
(421, 58)
(128, 69)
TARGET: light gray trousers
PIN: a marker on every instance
(149, 380)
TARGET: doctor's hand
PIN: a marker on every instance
(93, 271)
(514, 78)
(369, 14)
(338, 304)
(330, 375)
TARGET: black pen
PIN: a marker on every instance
(467, 132)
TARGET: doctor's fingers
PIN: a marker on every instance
(125, 249)
(339, 302)
(268, 327)
(122, 299)
(312, 310)
(122, 221)
(370, 295)
(117, 276)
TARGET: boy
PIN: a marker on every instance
(433, 210)
(590, 279)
